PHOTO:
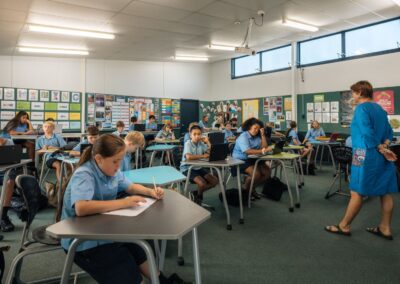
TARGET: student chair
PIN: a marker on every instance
(343, 157)
(39, 241)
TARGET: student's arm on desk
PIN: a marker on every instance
(191, 157)
(75, 153)
(91, 207)
(135, 188)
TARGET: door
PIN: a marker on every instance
(189, 113)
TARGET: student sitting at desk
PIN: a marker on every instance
(92, 133)
(49, 140)
(195, 149)
(234, 122)
(292, 133)
(133, 140)
(93, 189)
(20, 125)
(203, 123)
(229, 136)
(151, 124)
(314, 132)
(120, 129)
(5, 224)
(218, 122)
(133, 122)
(166, 133)
(252, 142)
(187, 134)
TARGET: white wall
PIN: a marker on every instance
(131, 78)
(381, 71)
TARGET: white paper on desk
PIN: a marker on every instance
(133, 211)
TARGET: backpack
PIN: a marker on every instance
(232, 196)
(273, 188)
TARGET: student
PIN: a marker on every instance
(49, 140)
(314, 132)
(197, 148)
(252, 141)
(234, 122)
(93, 189)
(133, 140)
(203, 123)
(151, 124)
(166, 133)
(120, 129)
(348, 142)
(292, 133)
(133, 122)
(20, 124)
(5, 224)
(92, 133)
(187, 134)
(218, 122)
(229, 136)
(270, 130)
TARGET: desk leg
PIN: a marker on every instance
(3, 191)
(185, 191)
(291, 208)
(196, 256)
(41, 168)
(150, 258)
(62, 173)
(316, 154)
(221, 184)
(152, 158)
(322, 155)
(252, 182)
(69, 261)
(137, 158)
(297, 173)
(180, 260)
(162, 255)
(333, 159)
(241, 220)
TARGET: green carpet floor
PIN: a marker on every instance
(272, 246)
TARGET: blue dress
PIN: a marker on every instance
(371, 173)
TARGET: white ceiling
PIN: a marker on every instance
(156, 30)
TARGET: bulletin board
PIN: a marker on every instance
(63, 106)
(170, 112)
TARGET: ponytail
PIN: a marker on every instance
(293, 125)
(107, 146)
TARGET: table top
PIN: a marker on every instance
(25, 136)
(293, 147)
(160, 147)
(67, 159)
(170, 218)
(23, 162)
(163, 175)
(324, 143)
(229, 162)
(281, 156)
(166, 141)
(72, 135)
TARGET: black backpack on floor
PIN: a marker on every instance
(273, 188)
(232, 196)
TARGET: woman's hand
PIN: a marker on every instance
(389, 155)
(157, 193)
(133, 201)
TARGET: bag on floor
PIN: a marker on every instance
(232, 196)
(274, 188)
(311, 169)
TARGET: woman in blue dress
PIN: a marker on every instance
(373, 172)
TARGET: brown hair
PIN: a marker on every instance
(92, 130)
(107, 146)
(292, 125)
(364, 88)
(192, 124)
(168, 124)
(120, 124)
(136, 138)
(15, 121)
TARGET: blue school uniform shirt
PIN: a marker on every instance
(245, 142)
(164, 135)
(19, 128)
(202, 124)
(228, 133)
(78, 147)
(89, 183)
(195, 149)
(312, 134)
(55, 140)
(126, 162)
(186, 138)
(151, 126)
(293, 134)
(131, 127)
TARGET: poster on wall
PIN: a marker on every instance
(334, 117)
(310, 107)
(318, 116)
(289, 115)
(1, 93)
(9, 94)
(288, 104)
(326, 117)
(55, 96)
(7, 104)
(326, 107)
(65, 97)
(310, 116)
(7, 115)
(385, 99)
(33, 95)
(22, 94)
(394, 121)
(76, 97)
(346, 106)
(266, 106)
(44, 95)
(250, 109)
(318, 107)
(335, 106)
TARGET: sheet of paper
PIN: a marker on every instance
(134, 211)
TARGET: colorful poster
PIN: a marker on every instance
(266, 106)
(335, 106)
(288, 104)
(22, 94)
(37, 105)
(44, 95)
(250, 109)
(7, 104)
(65, 97)
(385, 99)
(52, 115)
(346, 106)
(33, 95)
(166, 106)
(100, 100)
(394, 121)
(55, 96)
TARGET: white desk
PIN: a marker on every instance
(322, 145)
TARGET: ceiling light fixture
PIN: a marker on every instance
(298, 25)
(53, 51)
(191, 58)
(70, 32)
(221, 47)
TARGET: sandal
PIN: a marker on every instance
(255, 194)
(339, 230)
(377, 232)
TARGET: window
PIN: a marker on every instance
(276, 59)
(380, 37)
(247, 65)
(321, 49)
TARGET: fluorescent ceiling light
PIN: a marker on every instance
(70, 32)
(191, 58)
(53, 51)
(298, 25)
(221, 47)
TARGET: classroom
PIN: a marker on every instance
(199, 141)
